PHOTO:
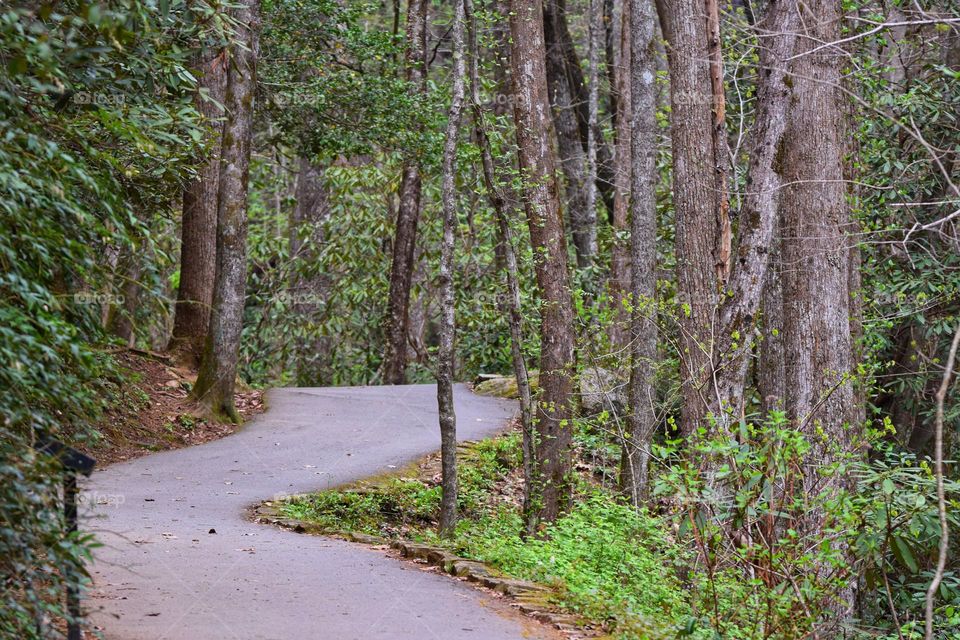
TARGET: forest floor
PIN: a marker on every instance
(153, 412)
(182, 559)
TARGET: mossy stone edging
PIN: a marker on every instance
(531, 599)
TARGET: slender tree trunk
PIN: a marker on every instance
(446, 354)
(310, 289)
(695, 199)
(619, 284)
(218, 365)
(532, 116)
(502, 209)
(555, 15)
(408, 213)
(198, 243)
(120, 321)
(594, 34)
(643, 252)
(573, 159)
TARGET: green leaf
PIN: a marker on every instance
(903, 553)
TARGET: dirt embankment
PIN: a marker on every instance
(153, 411)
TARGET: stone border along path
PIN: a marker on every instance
(530, 598)
(182, 561)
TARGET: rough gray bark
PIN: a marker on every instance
(736, 332)
(198, 235)
(771, 382)
(573, 159)
(816, 216)
(694, 198)
(817, 333)
(502, 209)
(408, 212)
(635, 461)
(542, 203)
(218, 365)
(446, 354)
(310, 288)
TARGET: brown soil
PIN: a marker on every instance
(154, 413)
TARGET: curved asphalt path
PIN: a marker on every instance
(162, 575)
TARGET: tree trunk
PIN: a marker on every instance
(310, 289)
(120, 321)
(619, 284)
(446, 355)
(218, 365)
(502, 209)
(532, 116)
(408, 213)
(594, 135)
(695, 199)
(643, 253)
(817, 333)
(555, 15)
(198, 236)
(816, 217)
(573, 160)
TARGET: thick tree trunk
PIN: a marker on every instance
(310, 289)
(502, 208)
(816, 217)
(619, 284)
(446, 355)
(573, 159)
(817, 333)
(532, 116)
(198, 244)
(643, 254)
(218, 365)
(408, 213)
(695, 199)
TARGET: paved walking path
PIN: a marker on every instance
(164, 574)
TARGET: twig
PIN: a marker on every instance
(941, 497)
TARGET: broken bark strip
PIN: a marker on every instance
(721, 146)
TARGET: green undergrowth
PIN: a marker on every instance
(604, 560)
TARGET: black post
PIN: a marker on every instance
(72, 463)
(73, 590)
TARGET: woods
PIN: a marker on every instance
(708, 249)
